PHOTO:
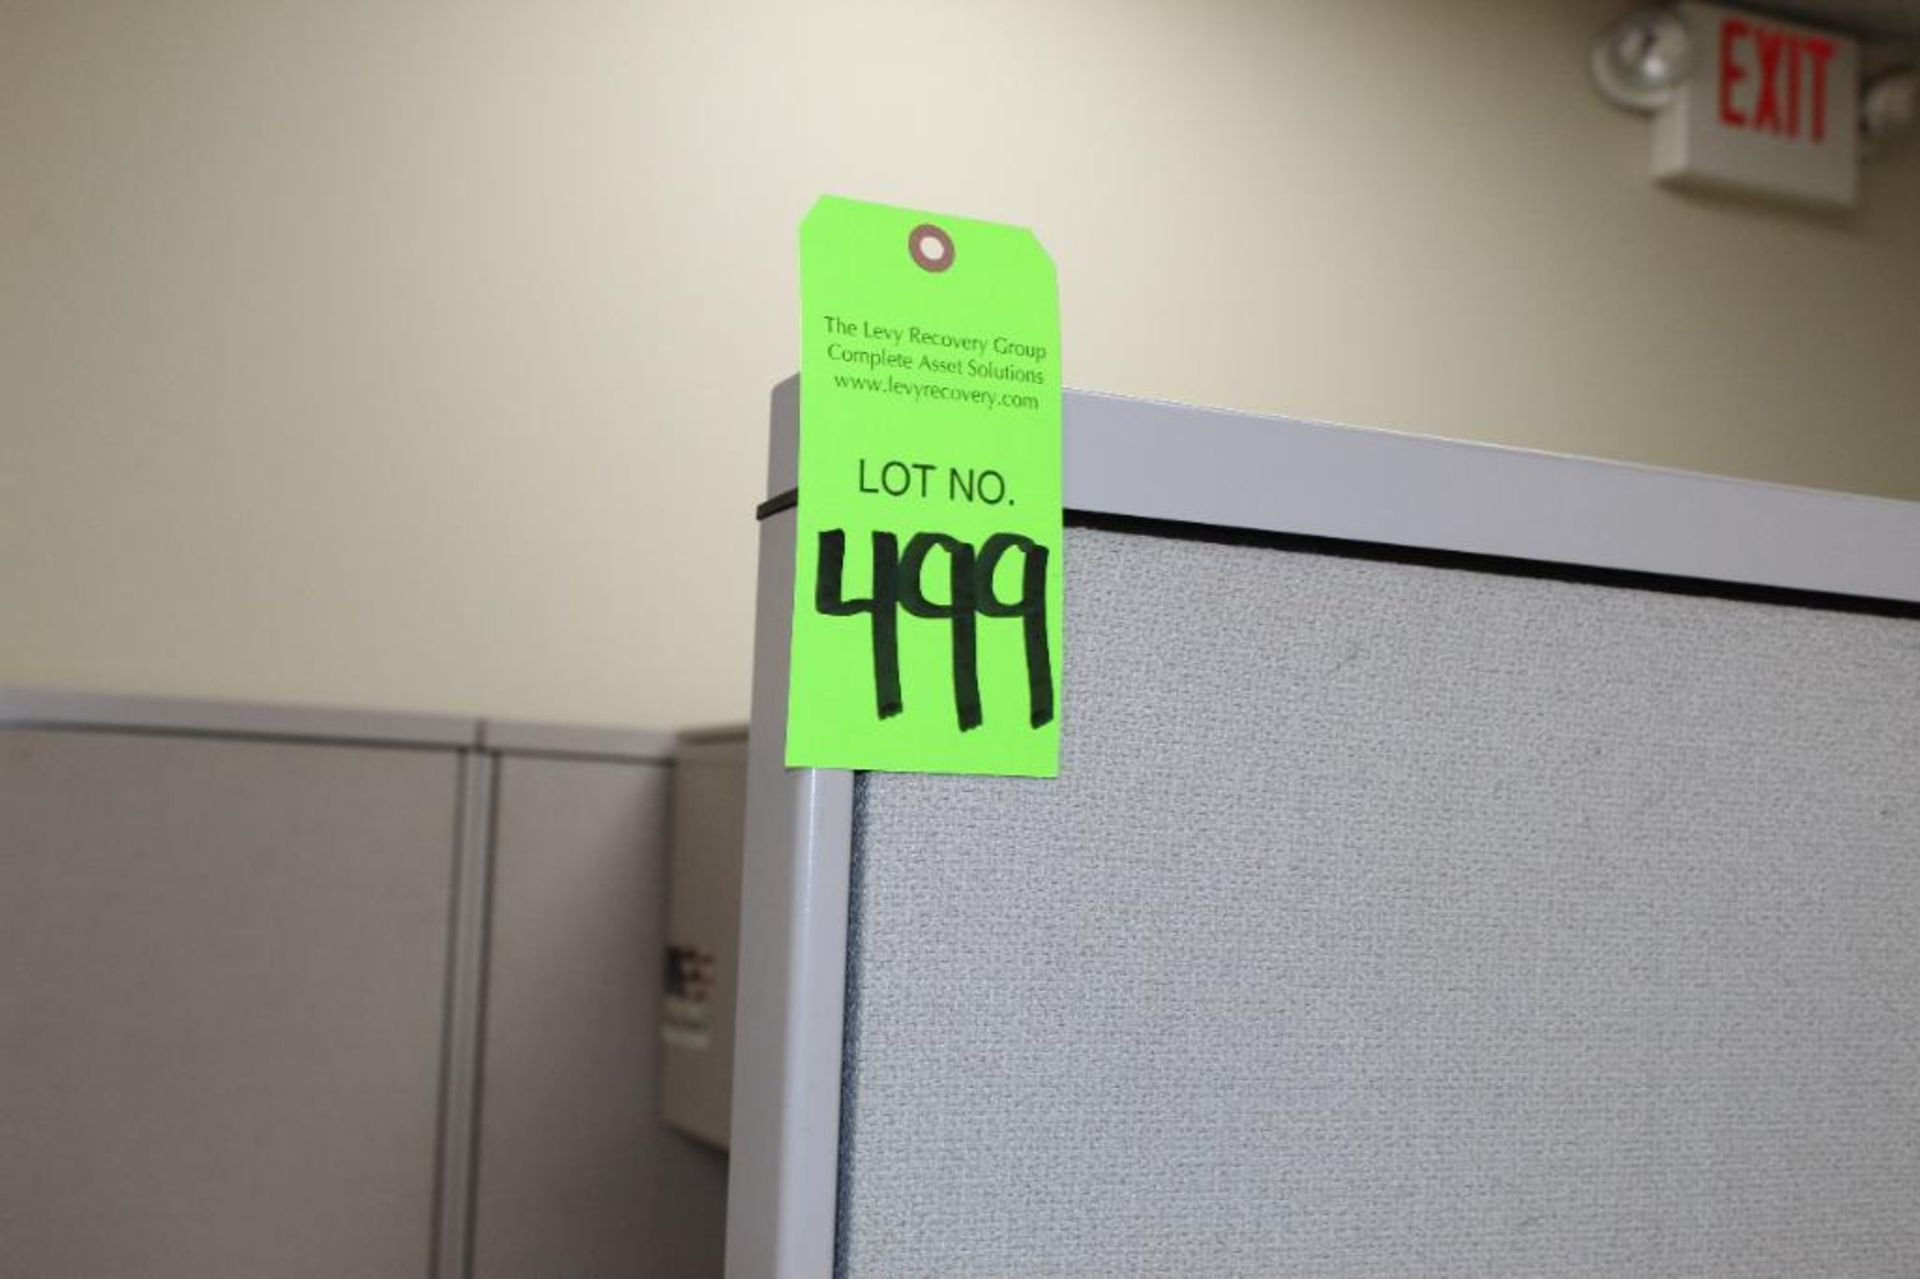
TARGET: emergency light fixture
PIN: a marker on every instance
(1750, 102)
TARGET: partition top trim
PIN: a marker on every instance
(1168, 462)
(68, 709)
(528, 737)
(198, 717)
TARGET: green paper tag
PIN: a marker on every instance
(926, 603)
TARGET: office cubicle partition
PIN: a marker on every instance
(289, 991)
(1463, 860)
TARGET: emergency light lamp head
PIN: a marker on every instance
(1639, 61)
(1888, 107)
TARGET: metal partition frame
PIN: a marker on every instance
(1309, 484)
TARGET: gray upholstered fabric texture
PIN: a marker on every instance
(1392, 920)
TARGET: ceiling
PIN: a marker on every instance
(1899, 19)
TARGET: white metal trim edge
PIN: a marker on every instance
(1159, 461)
(783, 1180)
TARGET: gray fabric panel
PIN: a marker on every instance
(222, 970)
(578, 1176)
(1396, 920)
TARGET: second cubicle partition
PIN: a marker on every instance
(309, 992)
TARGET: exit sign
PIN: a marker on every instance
(1771, 107)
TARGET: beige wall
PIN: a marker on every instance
(415, 354)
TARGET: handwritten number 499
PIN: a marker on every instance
(970, 596)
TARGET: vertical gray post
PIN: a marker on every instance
(466, 996)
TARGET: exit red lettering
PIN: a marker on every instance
(1774, 59)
